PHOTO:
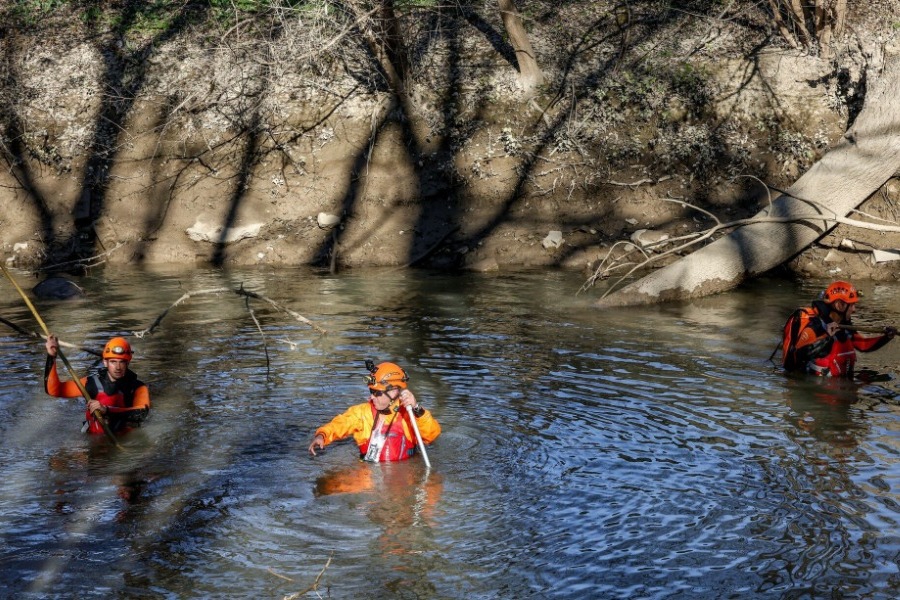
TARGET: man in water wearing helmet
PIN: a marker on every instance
(381, 427)
(815, 342)
(115, 390)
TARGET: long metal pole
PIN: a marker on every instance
(412, 418)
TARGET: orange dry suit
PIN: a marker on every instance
(833, 356)
(390, 428)
(127, 399)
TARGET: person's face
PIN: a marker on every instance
(382, 400)
(844, 308)
(116, 367)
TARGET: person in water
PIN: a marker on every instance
(820, 339)
(381, 427)
(115, 391)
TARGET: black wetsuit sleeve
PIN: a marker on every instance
(136, 416)
(48, 366)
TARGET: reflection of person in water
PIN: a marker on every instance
(387, 480)
(75, 467)
(823, 408)
(403, 504)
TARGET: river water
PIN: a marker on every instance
(636, 453)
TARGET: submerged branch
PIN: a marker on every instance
(261, 334)
(184, 297)
(36, 335)
(240, 292)
(315, 585)
(299, 317)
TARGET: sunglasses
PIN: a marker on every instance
(377, 393)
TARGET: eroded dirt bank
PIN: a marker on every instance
(177, 146)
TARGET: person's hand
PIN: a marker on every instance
(95, 405)
(408, 399)
(831, 329)
(318, 442)
(890, 332)
(52, 345)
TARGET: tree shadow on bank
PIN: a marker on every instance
(443, 234)
(388, 53)
(122, 80)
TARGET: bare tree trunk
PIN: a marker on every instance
(865, 159)
(382, 35)
(840, 17)
(822, 20)
(827, 17)
(388, 31)
(799, 12)
(530, 75)
(782, 26)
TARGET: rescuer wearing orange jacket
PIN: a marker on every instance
(381, 427)
(820, 340)
(115, 390)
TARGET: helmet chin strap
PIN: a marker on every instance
(393, 404)
(842, 314)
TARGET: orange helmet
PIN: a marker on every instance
(386, 376)
(118, 347)
(841, 290)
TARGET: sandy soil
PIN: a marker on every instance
(499, 184)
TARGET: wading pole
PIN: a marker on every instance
(87, 397)
(865, 328)
(412, 418)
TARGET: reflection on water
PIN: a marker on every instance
(646, 453)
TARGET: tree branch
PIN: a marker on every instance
(608, 264)
(36, 335)
(240, 292)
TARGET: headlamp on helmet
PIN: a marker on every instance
(118, 348)
(385, 376)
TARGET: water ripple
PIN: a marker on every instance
(650, 454)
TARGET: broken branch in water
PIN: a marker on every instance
(299, 317)
(240, 292)
(181, 300)
(313, 588)
(34, 334)
(261, 334)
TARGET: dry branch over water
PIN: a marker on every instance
(222, 290)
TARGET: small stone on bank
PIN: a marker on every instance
(327, 221)
(554, 239)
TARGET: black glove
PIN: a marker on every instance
(890, 332)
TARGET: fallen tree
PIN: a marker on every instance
(867, 156)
